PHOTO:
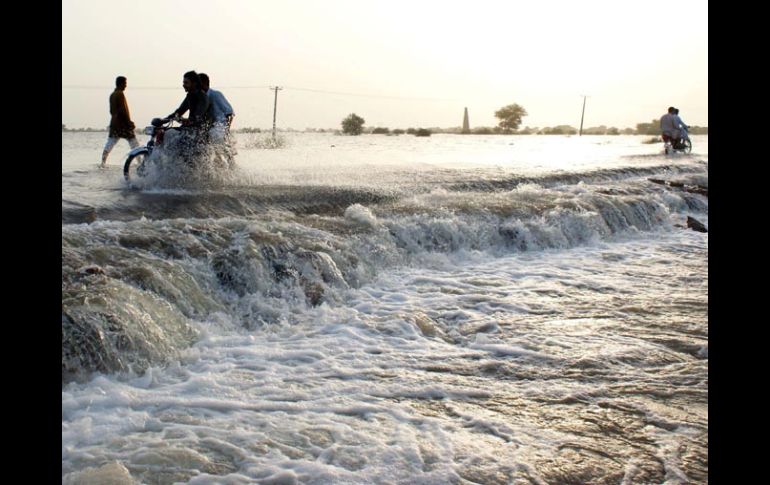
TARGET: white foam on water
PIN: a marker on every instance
(356, 392)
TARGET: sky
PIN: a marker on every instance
(397, 64)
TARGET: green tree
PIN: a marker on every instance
(652, 128)
(560, 130)
(353, 124)
(510, 116)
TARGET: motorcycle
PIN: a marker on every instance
(185, 145)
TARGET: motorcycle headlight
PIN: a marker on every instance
(148, 130)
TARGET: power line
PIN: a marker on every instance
(366, 95)
(105, 88)
(293, 88)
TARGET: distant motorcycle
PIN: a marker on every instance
(682, 145)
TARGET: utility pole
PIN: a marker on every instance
(275, 105)
(582, 115)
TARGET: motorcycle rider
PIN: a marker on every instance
(669, 131)
(197, 124)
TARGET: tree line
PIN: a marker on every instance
(510, 117)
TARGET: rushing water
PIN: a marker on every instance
(388, 309)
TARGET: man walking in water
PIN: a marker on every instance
(121, 125)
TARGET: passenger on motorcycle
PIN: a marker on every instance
(681, 125)
(221, 115)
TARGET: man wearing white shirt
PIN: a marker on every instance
(669, 127)
(221, 116)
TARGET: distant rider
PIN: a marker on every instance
(669, 126)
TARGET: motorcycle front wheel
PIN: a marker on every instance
(134, 166)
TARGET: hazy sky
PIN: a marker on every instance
(396, 63)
